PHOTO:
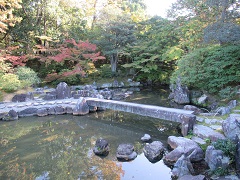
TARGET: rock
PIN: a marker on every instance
(146, 138)
(92, 108)
(42, 112)
(231, 126)
(188, 122)
(12, 115)
(216, 159)
(63, 91)
(101, 147)
(49, 97)
(193, 108)
(107, 94)
(28, 112)
(81, 107)
(51, 111)
(202, 100)
(106, 85)
(153, 151)
(205, 132)
(198, 140)
(69, 110)
(191, 177)
(59, 110)
(182, 146)
(200, 119)
(23, 97)
(213, 121)
(126, 152)
(223, 111)
(182, 167)
(180, 93)
(232, 104)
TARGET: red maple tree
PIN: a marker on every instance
(78, 53)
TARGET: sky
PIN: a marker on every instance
(158, 7)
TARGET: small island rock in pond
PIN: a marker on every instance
(126, 152)
(81, 107)
(153, 151)
(101, 147)
(146, 138)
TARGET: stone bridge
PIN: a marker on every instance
(186, 118)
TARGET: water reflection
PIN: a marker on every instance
(60, 147)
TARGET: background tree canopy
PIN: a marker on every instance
(198, 41)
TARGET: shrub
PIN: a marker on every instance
(212, 68)
(27, 76)
(227, 146)
(105, 71)
(9, 83)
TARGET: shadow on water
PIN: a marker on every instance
(60, 147)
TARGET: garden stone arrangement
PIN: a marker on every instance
(201, 145)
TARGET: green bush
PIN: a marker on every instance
(27, 76)
(212, 68)
(227, 146)
(9, 83)
(105, 71)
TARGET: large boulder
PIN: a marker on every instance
(63, 91)
(101, 147)
(188, 122)
(182, 167)
(154, 151)
(12, 115)
(195, 109)
(231, 126)
(216, 159)
(182, 146)
(23, 97)
(205, 132)
(125, 152)
(180, 93)
(81, 107)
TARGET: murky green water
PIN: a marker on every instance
(60, 147)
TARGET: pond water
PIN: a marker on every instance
(60, 147)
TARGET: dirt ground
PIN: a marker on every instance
(7, 97)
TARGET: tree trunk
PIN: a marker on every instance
(114, 60)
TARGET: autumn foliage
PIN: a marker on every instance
(75, 55)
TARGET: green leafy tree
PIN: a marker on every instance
(7, 18)
(211, 69)
(153, 56)
(116, 32)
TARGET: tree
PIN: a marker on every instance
(74, 56)
(153, 56)
(116, 32)
(7, 17)
(225, 30)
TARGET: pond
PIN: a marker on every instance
(60, 147)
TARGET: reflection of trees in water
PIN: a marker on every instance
(57, 150)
